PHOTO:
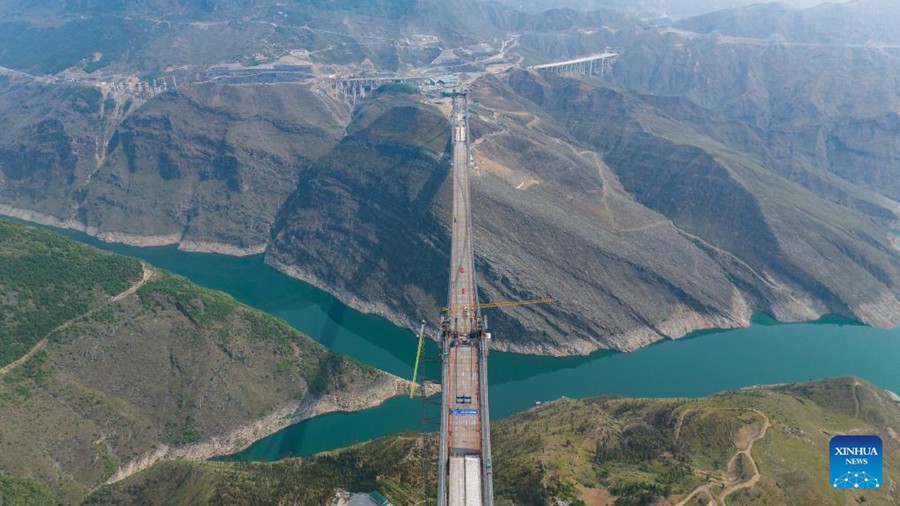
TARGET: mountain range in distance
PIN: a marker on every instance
(724, 163)
(723, 159)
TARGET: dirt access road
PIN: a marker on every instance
(148, 273)
(732, 486)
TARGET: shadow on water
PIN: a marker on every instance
(330, 328)
(284, 443)
(693, 367)
(698, 364)
(508, 367)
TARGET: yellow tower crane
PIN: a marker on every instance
(421, 336)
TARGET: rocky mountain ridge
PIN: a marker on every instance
(706, 175)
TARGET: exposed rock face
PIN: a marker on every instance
(370, 224)
(208, 164)
(723, 164)
(616, 268)
(638, 238)
(226, 157)
(776, 240)
(363, 222)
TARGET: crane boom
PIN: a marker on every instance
(508, 303)
(412, 384)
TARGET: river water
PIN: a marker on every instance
(699, 364)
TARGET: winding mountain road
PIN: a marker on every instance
(731, 487)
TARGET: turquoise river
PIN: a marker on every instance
(699, 364)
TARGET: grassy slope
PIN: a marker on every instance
(171, 365)
(629, 448)
(392, 465)
(602, 450)
(46, 280)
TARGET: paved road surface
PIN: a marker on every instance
(463, 442)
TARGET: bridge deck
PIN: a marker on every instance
(464, 430)
(463, 403)
(593, 57)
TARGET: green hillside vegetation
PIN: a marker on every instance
(392, 465)
(593, 451)
(168, 366)
(46, 280)
(15, 491)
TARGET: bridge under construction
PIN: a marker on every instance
(464, 457)
(597, 64)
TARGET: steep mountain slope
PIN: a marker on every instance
(797, 108)
(164, 368)
(657, 10)
(629, 264)
(364, 219)
(639, 227)
(760, 446)
(225, 158)
(722, 165)
(785, 237)
(865, 22)
(205, 164)
(370, 223)
(811, 94)
(51, 140)
(622, 275)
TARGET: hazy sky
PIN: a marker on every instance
(672, 8)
